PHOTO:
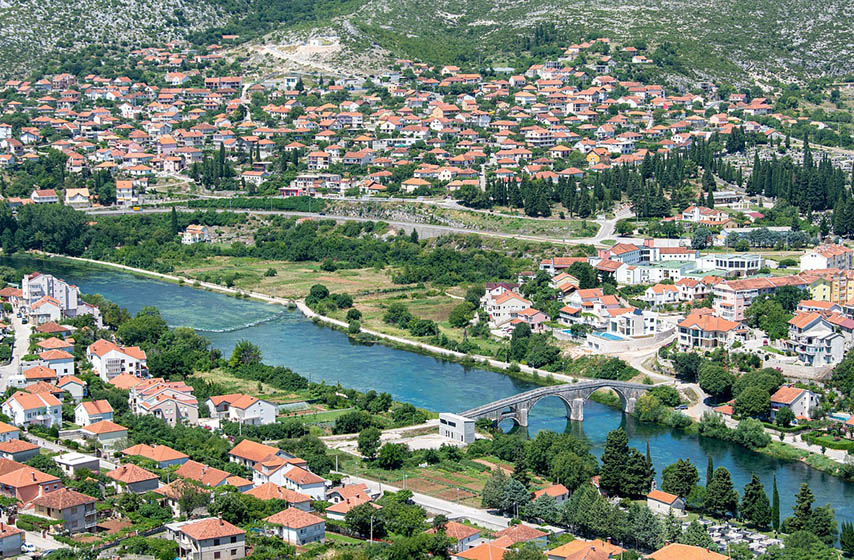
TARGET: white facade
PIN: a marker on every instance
(25, 409)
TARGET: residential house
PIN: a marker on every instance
(73, 386)
(676, 551)
(134, 479)
(483, 551)
(25, 483)
(11, 540)
(827, 256)
(243, 409)
(705, 331)
(162, 455)
(305, 482)
(26, 409)
(662, 294)
(559, 492)
(801, 402)
(249, 453)
(195, 234)
(172, 401)
(109, 359)
(208, 539)
(522, 533)
(270, 491)
(71, 462)
(212, 477)
(9, 432)
(813, 339)
(172, 493)
(106, 432)
(586, 550)
(90, 412)
(75, 510)
(733, 297)
(18, 450)
(464, 536)
(297, 527)
(664, 503)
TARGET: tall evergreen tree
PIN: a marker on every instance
(710, 470)
(614, 461)
(775, 507)
(174, 222)
(755, 508)
(721, 497)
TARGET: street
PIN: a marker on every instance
(22, 343)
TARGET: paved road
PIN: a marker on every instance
(606, 229)
(22, 343)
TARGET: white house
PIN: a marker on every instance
(297, 527)
(26, 409)
(206, 539)
(243, 409)
(109, 359)
(662, 294)
(828, 256)
(90, 412)
(664, 503)
(813, 339)
(800, 401)
(502, 308)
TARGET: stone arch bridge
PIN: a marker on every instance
(573, 396)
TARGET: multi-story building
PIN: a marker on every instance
(172, 401)
(828, 256)
(813, 339)
(243, 409)
(705, 331)
(109, 359)
(26, 409)
(733, 297)
(76, 511)
(208, 539)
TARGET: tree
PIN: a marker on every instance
(644, 527)
(525, 551)
(365, 520)
(700, 238)
(775, 506)
(515, 496)
(715, 380)
(721, 497)
(679, 478)
(145, 329)
(784, 417)
(461, 315)
(493, 491)
(569, 469)
(585, 274)
(637, 474)
(392, 456)
(244, 353)
(768, 315)
(823, 524)
(752, 401)
(173, 221)
(750, 433)
(800, 521)
(846, 539)
(614, 459)
(755, 508)
(369, 442)
(687, 366)
(696, 535)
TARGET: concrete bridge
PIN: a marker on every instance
(573, 396)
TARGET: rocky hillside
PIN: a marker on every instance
(33, 30)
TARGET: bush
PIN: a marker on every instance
(354, 327)
(668, 395)
(354, 314)
(270, 272)
(750, 433)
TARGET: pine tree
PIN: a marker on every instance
(721, 497)
(174, 222)
(846, 539)
(710, 470)
(775, 507)
(754, 504)
(614, 461)
(803, 510)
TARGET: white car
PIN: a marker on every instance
(28, 547)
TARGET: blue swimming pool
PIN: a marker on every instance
(608, 336)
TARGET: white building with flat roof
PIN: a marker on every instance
(456, 427)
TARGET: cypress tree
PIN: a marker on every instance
(710, 470)
(775, 507)
(174, 222)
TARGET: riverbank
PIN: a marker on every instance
(517, 371)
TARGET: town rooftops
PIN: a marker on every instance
(29, 401)
(483, 551)
(294, 518)
(708, 323)
(104, 427)
(235, 400)
(25, 476)
(8, 428)
(676, 551)
(272, 491)
(663, 497)
(129, 473)
(101, 406)
(212, 528)
(581, 550)
(158, 453)
(63, 498)
(554, 491)
(520, 533)
(458, 531)
(253, 451)
(786, 394)
(17, 446)
(102, 347)
(302, 477)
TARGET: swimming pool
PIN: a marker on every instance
(608, 336)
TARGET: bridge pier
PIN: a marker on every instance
(630, 405)
(522, 417)
(577, 410)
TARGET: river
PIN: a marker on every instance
(289, 339)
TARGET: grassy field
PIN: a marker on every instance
(508, 223)
(236, 385)
(292, 280)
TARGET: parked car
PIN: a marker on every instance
(28, 547)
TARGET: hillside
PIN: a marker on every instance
(32, 32)
(712, 38)
(717, 38)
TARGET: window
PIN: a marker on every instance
(216, 554)
(234, 539)
(216, 542)
(234, 552)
